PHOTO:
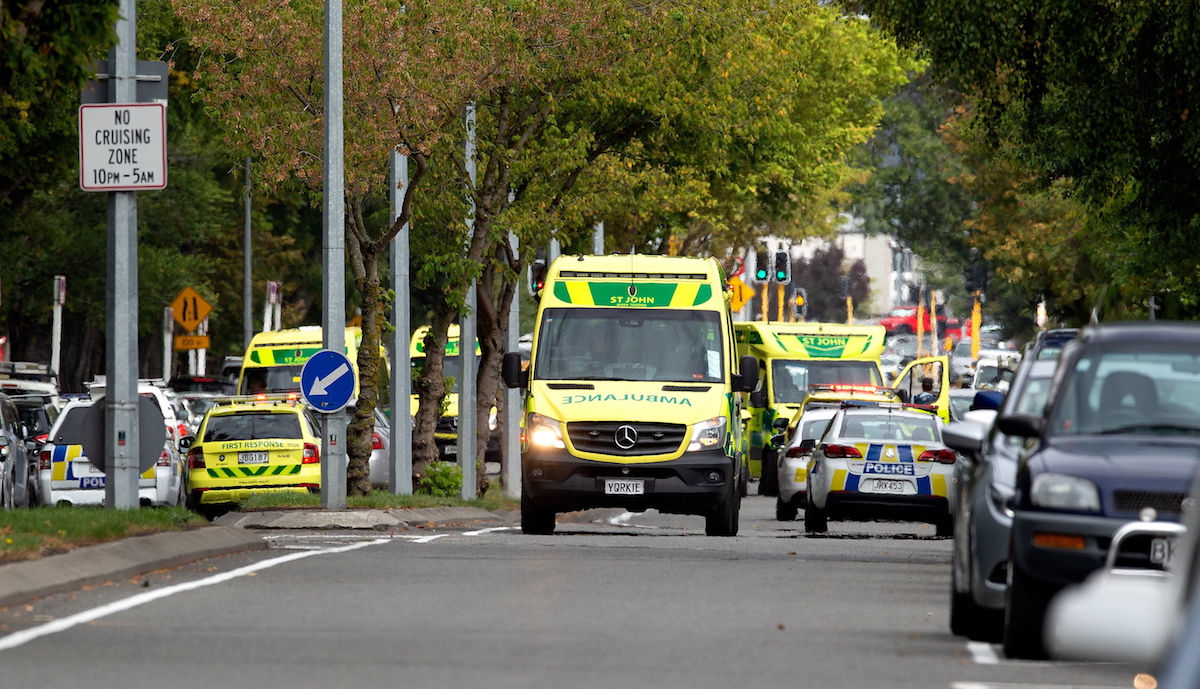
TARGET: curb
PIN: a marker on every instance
(129, 557)
(374, 520)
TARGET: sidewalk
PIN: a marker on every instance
(231, 533)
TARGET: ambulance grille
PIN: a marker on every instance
(1162, 501)
(686, 388)
(600, 437)
(570, 386)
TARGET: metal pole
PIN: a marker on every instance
(510, 470)
(400, 471)
(247, 268)
(168, 340)
(60, 297)
(202, 353)
(333, 256)
(598, 239)
(121, 358)
(466, 339)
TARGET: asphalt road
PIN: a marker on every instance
(611, 600)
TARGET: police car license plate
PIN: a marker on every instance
(253, 458)
(881, 486)
(615, 486)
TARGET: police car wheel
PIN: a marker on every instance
(1024, 615)
(535, 519)
(785, 511)
(815, 519)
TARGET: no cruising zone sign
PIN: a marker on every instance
(122, 146)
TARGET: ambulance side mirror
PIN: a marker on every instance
(747, 379)
(511, 373)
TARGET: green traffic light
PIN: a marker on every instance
(760, 274)
(780, 275)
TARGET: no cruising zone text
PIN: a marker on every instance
(122, 146)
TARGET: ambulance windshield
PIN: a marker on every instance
(630, 344)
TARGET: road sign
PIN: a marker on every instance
(742, 293)
(186, 342)
(123, 147)
(327, 381)
(190, 309)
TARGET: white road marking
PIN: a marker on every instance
(62, 624)
(480, 532)
(424, 539)
(983, 654)
(621, 519)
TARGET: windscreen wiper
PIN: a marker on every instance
(1132, 428)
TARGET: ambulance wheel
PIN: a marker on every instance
(768, 480)
(744, 480)
(785, 511)
(723, 521)
(815, 519)
(535, 519)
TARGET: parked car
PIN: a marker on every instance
(14, 460)
(881, 462)
(1119, 441)
(810, 425)
(67, 477)
(984, 482)
(381, 450)
(37, 414)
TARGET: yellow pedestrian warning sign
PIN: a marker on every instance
(190, 309)
(742, 293)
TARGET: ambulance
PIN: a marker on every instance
(631, 398)
(792, 357)
(274, 359)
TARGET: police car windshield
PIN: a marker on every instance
(893, 427)
(258, 426)
(630, 344)
(791, 378)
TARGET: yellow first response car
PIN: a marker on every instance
(253, 445)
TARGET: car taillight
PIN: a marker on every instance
(44, 460)
(798, 451)
(939, 456)
(164, 460)
(312, 455)
(842, 452)
(196, 458)
(376, 441)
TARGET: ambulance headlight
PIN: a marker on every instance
(544, 431)
(492, 421)
(708, 434)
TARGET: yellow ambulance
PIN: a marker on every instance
(274, 359)
(631, 399)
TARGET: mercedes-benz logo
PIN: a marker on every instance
(626, 437)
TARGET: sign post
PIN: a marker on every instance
(123, 147)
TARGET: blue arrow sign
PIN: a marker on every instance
(327, 381)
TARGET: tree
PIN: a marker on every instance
(1095, 98)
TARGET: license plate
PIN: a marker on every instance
(887, 486)
(615, 486)
(452, 449)
(93, 469)
(1162, 551)
(253, 457)
(91, 482)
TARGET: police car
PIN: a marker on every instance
(881, 461)
(253, 444)
(806, 427)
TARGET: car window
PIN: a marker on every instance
(252, 426)
(70, 428)
(1122, 389)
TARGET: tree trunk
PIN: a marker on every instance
(492, 319)
(430, 389)
(360, 432)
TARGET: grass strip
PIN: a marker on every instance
(27, 534)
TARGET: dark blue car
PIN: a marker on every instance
(1119, 441)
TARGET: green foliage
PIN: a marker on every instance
(1093, 96)
(442, 479)
(29, 534)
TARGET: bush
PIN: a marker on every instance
(443, 479)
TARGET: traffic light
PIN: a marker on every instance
(801, 303)
(537, 274)
(762, 265)
(783, 267)
(969, 278)
(975, 277)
